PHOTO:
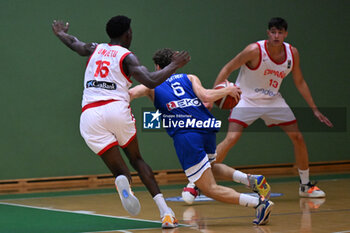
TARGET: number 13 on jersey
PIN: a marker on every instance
(273, 83)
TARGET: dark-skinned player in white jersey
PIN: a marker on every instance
(106, 121)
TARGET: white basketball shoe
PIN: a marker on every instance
(129, 201)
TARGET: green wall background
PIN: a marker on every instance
(42, 80)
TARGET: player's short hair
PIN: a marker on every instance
(278, 23)
(163, 57)
(117, 25)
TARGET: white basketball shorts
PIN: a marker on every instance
(107, 125)
(273, 111)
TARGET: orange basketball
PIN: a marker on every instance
(227, 102)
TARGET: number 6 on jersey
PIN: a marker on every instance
(178, 89)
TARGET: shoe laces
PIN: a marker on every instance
(311, 186)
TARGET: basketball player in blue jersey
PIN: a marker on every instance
(193, 129)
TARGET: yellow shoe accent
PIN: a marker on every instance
(169, 221)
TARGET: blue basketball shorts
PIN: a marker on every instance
(195, 152)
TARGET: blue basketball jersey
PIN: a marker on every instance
(181, 109)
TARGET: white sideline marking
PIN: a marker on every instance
(123, 231)
(76, 212)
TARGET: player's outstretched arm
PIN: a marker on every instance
(211, 95)
(60, 29)
(248, 55)
(140, 91)
(304, 90)
(152, 79)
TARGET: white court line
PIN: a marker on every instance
(123, 231)
(76, 212)
(342, 231)
(88, 213)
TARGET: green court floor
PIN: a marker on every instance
(23, 219)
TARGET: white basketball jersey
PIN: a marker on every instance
(264, 81)
(104, 75)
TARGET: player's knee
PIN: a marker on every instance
(297, 138)
(232, 138)
(136, 163)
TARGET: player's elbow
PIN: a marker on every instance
(150, 84)
(79, 49)
(205, 97)
(299, 83)
(226, 71)
(82, 52)
(145, 79)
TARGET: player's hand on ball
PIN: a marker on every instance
(235, 93)
(232, 98)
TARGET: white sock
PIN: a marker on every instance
(240, 177)
(162, 206)
(190, 185)
(304, 176)
(247, 200)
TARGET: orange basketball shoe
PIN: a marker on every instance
(310, 190)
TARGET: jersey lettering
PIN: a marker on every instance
(277, 73)
(107, 53)
(183, 103)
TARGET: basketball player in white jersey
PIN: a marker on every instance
(263, 66)
(107, 122)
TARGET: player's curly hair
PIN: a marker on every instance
(163, 57)
(117, 25)
(278, 23)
